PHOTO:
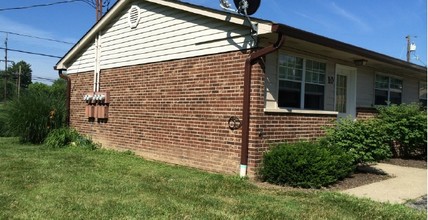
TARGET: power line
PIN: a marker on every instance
(89, 2)
(42, 78)
(32, 53)
(39, 5)
(40, 38)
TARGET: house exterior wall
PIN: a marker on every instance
(178, 112)
(162, 34)
(85, 62)
(174, 111)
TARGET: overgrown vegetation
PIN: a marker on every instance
(406, 129)
(64, 137)
(36, 112)
(75, 183)
(365, 140)
(399, 130)
(3, 116)
(307, 165)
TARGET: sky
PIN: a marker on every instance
(376, 25)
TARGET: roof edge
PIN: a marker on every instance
(328, 42)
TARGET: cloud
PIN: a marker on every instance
(351, 17)
(313, 19)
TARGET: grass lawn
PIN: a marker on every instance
(73, 183)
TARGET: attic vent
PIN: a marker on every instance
(134, 16)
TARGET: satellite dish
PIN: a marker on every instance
(247, 7)
(225, 4)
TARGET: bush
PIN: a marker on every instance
(406, 128)
(365, 141)
(64, 137)
(35, 113)
(307, 165)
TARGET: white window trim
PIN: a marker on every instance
(389, 90)
(302, 86)
(300, 111)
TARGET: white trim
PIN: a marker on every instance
(264, 27)
(303, 81)
(300, 111)
(351, 93)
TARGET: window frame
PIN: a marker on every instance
(389, 89)
(302, 81)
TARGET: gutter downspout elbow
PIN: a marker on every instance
(249, 62)
(68, 95)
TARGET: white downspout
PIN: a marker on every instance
(97, 63)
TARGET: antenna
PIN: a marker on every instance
(247, 7)
(244, 7)
(411, 47)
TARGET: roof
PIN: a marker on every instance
(264, 27)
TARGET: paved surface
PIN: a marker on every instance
(407, 184)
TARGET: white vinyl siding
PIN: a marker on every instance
(165, 33)
(365, 87)
(84, 62)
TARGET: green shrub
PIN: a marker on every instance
(35, 113)
(64, 137)
(307, 165)
(364, 140)
(406, 128)
(3, 126)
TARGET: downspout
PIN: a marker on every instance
(249, 62)
(67, 102)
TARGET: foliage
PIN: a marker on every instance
(36, 112)
(305, 165)
(3, 128)
(64, 137)
(10, 89)
(406, 127)
(26, 73)
(365, 140)
(73, 183)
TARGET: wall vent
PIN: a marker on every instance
(134, 16)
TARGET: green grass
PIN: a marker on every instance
(73, 183)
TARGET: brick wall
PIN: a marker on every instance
(174, 111)
(366, 113)
(178, 112)
(270, 128)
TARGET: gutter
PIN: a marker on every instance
(249, 62)
(67, 103)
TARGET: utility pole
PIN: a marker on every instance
(99, 9)
(5, 68)
(408, 48)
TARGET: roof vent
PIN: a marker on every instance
(134, 16)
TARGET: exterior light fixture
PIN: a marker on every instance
(361, 62)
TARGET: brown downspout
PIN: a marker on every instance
(67, 102)
(249, 62)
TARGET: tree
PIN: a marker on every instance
(26, 73)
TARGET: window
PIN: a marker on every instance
(301, 83)
(423, 93)
(388, 90)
